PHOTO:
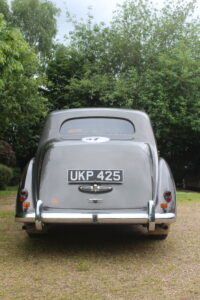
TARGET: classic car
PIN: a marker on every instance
(97, 166)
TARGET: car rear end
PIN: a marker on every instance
(97, 171)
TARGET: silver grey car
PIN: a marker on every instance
(97, 166)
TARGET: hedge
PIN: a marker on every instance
(5, 176)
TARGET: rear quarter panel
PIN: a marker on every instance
(25, 183)
(165, 183)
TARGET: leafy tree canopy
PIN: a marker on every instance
(4, 9)
(22, 107)
(147, 60)
(37, 21)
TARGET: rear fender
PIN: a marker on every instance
(25, 183)
(165, 183)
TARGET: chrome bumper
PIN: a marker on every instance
(151, 218)
(108, 218)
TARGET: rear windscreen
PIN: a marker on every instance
(105, 127)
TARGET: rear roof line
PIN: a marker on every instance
(140, 120)
(100, 109)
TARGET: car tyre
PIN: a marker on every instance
(160, 232)
(33, 233)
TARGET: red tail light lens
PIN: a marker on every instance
(23, 195)
(168, 196)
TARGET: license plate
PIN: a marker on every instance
(112, 176)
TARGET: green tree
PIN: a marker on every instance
(146, 59)
(4, 9)
(21, 105)
(37, 21)
(65, 65)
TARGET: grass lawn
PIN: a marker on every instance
(101, 262)
(10, 191)
(187, 196)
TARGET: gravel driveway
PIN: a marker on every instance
(101, 262)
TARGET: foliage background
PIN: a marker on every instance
(144, 59)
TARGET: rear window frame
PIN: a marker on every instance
(76, 138)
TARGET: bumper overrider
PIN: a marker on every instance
(41, 217)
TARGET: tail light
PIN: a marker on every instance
(23, 195)
(168, 196)
(26, 204)
(163, 205)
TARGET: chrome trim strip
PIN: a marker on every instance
(151, 211)
(167, 218)
(127, 218)
(38, 215)
(95, 200)
(27, 218)
(67, 218)
(107, 218)
(95, 188)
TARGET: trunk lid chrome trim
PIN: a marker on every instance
(95, 188)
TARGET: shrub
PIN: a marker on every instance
(5, 176)
(16, 176)
(7, 155)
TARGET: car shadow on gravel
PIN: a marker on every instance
(89, 239)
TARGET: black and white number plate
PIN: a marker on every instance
(113, 176)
